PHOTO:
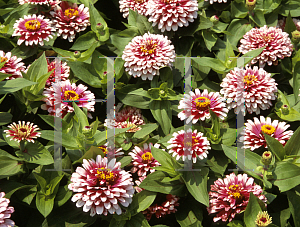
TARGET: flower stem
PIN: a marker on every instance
(22, 145)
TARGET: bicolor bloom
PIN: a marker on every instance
(230, 196)
(146, 54)
(161, 210)
(39, 2)
(67, 93)
(5, 212)
(248, 90)
(143, 159)
(64, 72)
(110, 152)
(189, 145)
(70, 19)
(127, 117)
(22, 131)
(276, 42)
(101, 186)
(171, 14)
(33, 30)
(196, 106)
(253, 133)
(263, 219)
(13, 65)
(219, 1)
(139, 5)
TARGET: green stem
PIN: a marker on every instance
(22, 145)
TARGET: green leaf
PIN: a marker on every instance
(36, 153)
(196, 183)
(138, 220)
(96, 18)
(294, 205)
(5, 118)
(213, 63)
(9, 167)
(146, 130)
(68, 140)
(237, 28)
(292, 147)
(239, 9)
(218, 163)
(63, 195)
(163, 157)
(44, 203)
(287, 176)
(82, 118)
(205, 23)
(258, 18)
(252, 54)
(42, 182)
(10, 187)
(125, 160)
(85, 41)
(289, 25)
(235, 223)
(251, 211)
(296, 80)
(10, 86)
(210, 39)
(38, 68)
(141, 201)
(275, 147)
(161, 111)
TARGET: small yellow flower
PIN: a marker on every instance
(266, 158)
(263, 219)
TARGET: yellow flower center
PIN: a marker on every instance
(32, 25)
(104, 150)
(105, 174)
(149, 47)
(249, 79)
(202, 102)
(189, 143)
(234, 191)
(3, 59)
(263, 219)
(268, 129)
(23, 131)
(71, 95)
(71, 13)
(139, 1)
(268, 38)
(147, 156)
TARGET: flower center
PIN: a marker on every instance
(32, 25)
(267, 38)
(249, 79)
(233, 188)
(192, 142)
(106, 175)
(104, 150)
(3, 59)
(149, 47)
(264, 220)
(23, 132)
(202, 102)
(71, 95)
(71, 13)
(139, 1)
(147, 156)
(268, 129)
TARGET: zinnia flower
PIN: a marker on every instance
(23, 131)
(64, 72)
(263, 219)
(196, 106)
(281, 23)
(139, 5)
(101, 186)
(39, 2)
(70, 19)
(250, 89)
(277, 43)
(253, 134)
(109, 152)
(146, 54)
(33, 30)
(161, 210)
(230, 196)
(69, 93)
(143, 159)
(13, 65)
(127, 117)
(169, 14)
(197, 147)
(5, 212)
(219, 1)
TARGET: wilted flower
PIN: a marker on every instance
(248, 89)
(64, 72)
(263, 219)
(101, 186)
(23, 131)
(276, 42)
(219, 1)
(230, 196)
(67, 93)
(253, 134)
(13, 65)
(169, 14)
(33, 30)
(143, 159)
(161, 210)
(139, 5)
(70, 19)
(146, 54)
(196, 105)
(127, 117)
(5, 212)
(194, 144)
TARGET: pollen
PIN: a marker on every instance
(268, 129)
(71, 13)
(202, 102)
(32, 25)
(249, 79)
(147, 156)
(71, 95)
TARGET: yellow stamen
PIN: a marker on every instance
(105, 174)
(147, 156)
(235, 194)
(202, 102)
(249, 79)
(71, 13)
(268, 129)
(3, 59)
(32, 25)
(148, 47)
(263, 219)
(104, 150)
(71, 95)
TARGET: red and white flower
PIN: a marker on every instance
(161, 210)
(171, 14)
(127, 117)
(33, 30)
(139, 5)
(281, 23)
(248, 89)
(70, 19)
(5, 212)
(23, 131)
(196, 105)
(64, 72)
(146, 54)
(277, 43)
(143, 160)
(39, 2)
(219, 1)
(101, 186)
(253, 134)
(13, 65)
(67, 93)
(110, 152)
(230, 196)
(189, 145)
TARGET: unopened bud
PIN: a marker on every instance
(77, 54)
(285, 109)
(296, 36)
(250, 4)
(214, 19)
(266, 158)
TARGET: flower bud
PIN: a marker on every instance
(296, 36)
(285, 109)
(263, 219)
(266, 158)
(214, 19)
(250, 4)
(77, 54)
